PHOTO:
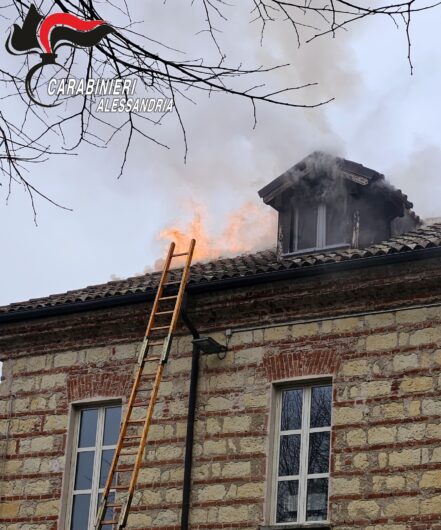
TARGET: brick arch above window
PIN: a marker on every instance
(288, 365)
(100, 384)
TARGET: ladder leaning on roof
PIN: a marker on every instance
(109, 508)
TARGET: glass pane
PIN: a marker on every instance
(335, 225)
(318, 452)
(321, 400)
(80, 512)
(289, 456)
(307, 227)
(108, 516)
(84, 471)
(291, 410)
(111, 425)
(317, 500)
(106, 461)
(88, 428)
(287, 501)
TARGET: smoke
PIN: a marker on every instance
(419, 176)
(228, 160)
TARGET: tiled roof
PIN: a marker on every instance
(248, 265)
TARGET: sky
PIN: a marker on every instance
(381, 116)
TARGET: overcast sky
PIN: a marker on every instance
(381, 117)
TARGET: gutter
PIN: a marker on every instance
(229, 283)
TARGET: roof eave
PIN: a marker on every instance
(229, 283)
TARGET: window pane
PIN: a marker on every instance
(84, 471)
(106, 461)
(335, 224)
(289, 456)
(88, 428)
(109, 514)
(307, 227)
(80, 512)
(287, 501)
(111, 425)
(317, 500)
(291, 410)
(321, 406)
(319, 452)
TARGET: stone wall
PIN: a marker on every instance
(386, 435)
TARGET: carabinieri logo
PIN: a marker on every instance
(44, 35)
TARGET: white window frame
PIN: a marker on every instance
(303, 475)
(98, 448)
(320, 241)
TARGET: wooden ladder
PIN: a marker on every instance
(166, 329)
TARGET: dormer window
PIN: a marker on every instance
(313, 227)
(327, 203)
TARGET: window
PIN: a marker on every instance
(95, 438)
(310, 227)
(301, 476)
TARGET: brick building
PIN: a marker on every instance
(324, 413)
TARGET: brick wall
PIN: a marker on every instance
(386, 436)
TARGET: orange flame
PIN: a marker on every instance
(248, 229)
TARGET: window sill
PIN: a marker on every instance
(297, 526)
(316, 250)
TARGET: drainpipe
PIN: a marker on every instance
(188, 461)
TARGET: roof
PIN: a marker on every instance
(249, 266)
(334, 166)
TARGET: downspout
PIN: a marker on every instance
(188, 461)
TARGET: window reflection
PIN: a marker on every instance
(291, 410)
(287, 501)
(317, 500)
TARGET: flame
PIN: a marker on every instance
(248, 229)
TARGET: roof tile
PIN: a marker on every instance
(265, 261)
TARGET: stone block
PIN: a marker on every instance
(363, 509)
(431, 506)
(416, 384)
(431, 407)
(356, 437)
(382, 435)
(381, 342)
(414, 431)
(347, 415)
(239, 423)
(425, 336)
(345, 486)
(379, 320)
(431, 479)
(305, 330)
(403, 362)
(405, 458)
(212, 492)
(402, 506)
(357, 368)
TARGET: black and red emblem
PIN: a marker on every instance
(44, 35)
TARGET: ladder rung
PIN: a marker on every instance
(157, 328)
(126, 487)
(110, 521)
(180, 254)
(136, 421)
(119, 470)
(113, 504)
(164, 313)
(177, 282)
(132, 437)
(128, 454)
(154, 358)
(168, 297)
